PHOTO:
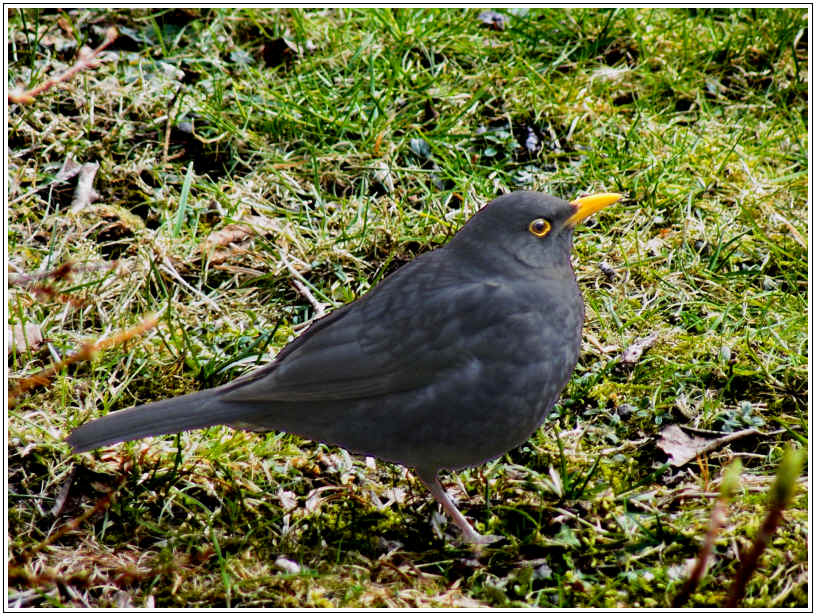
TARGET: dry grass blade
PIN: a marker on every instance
(299, 282)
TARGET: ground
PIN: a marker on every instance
(258, 166)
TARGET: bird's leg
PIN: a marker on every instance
(431, 482)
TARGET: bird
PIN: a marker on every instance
(451, 361)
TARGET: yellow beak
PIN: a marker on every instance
(587, 206)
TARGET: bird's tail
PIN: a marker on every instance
(197, 410)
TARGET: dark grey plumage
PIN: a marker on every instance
(451, 361)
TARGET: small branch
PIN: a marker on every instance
(781, 494)
(86, 59)
(32, 282)
(43, 377)
(682, 448)
(50, 292)
(320, 308)
(169, 125)
(300, 284)
(60, 272)
(632, 353)
(167, 267)
(729, 486)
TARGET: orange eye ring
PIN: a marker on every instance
(540, 227)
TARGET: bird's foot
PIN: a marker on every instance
(469, 534)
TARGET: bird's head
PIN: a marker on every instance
(533, 228)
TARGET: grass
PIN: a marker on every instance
(347, 142)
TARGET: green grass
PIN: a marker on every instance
(365, 139)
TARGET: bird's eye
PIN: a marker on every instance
(539, 227)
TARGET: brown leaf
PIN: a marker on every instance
(24, 338)
(679, 446)
(682, 447)
(69, 169)
(216, 246)
(65, 26)
(62, 495)
(633, 352)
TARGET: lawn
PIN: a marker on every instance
(200, 189)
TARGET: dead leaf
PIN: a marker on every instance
(288, 499)
(394, 495)
(287, 566)
(65, 26)
(315, 498)
(261, 224)
(682, 447)
(679, 446)
(216, 245)
(632, 353)
(68, 170)
(22, 338)
(84, 193)
(230, 234)
(381, 173)
(62, 495)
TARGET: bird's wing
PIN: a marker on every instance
(398, 337)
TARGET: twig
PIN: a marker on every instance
(85, 60)
(682, 448)
(51, 292)
(728, 438)
(728, 488)
(794, 231)
(43, 377)
(632, 353)
(169, 125)
(58, 273)
(61, 272)
(300, 283)
(168, 268)
(781, 493)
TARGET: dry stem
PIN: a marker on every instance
(85, 60)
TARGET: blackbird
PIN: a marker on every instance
(453, 360)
